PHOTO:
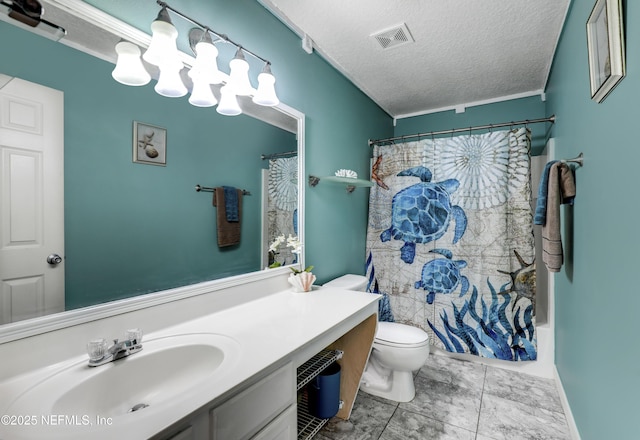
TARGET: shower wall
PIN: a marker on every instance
(542, 276)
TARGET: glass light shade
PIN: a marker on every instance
(162, 48)
(228, 105)
(206, 66)
(201, 94)
(129, 69)
(266, 94)
(170, 83)
(239, 75)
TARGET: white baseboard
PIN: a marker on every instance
(571, 423)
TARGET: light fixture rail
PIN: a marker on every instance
(221, 36)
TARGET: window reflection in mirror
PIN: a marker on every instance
(282, 209)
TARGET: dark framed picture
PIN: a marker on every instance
(149, 144)
(605, 42)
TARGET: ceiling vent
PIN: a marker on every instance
(394, 37)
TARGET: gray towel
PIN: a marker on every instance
(562, 189)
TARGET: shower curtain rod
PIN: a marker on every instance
(551, 119)
(276, 155)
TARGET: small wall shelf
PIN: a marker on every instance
(350, 183)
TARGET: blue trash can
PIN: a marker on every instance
(324, 392)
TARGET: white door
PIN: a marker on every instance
(31, 199)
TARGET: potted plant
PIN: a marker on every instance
(300, 279)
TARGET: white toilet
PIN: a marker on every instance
(398, 350)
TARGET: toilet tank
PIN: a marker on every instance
(349, 282)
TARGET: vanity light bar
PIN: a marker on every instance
(163, 53)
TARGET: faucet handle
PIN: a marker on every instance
(97, 349)
(134, 335)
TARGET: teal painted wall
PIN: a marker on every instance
(339, 120)
(597, 299)
(513, 110)
(160, 203)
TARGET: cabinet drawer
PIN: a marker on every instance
(250, 410)
(284, 427)
(185, 434)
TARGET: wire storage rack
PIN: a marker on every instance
(308, 425)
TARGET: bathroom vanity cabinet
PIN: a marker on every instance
(271, 406)
(252, 394)
(264, 409)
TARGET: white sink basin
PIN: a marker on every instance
(161, 375)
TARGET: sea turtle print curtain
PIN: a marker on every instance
(450, 241)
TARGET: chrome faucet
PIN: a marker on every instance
(100, 355)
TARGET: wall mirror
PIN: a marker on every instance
(135, 233)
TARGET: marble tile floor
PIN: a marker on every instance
(459, 400)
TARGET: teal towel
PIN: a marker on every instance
(231, 203)
(540, 216)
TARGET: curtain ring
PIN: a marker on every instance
(490, 128)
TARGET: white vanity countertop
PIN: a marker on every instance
(282, 326)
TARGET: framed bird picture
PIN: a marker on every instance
(149, 144)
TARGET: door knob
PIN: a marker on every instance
(54, 259)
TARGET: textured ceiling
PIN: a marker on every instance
(465, 51)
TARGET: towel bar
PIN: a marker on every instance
(209, 189)
(579, 160)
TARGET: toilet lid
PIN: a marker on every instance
(348, 282)
(396, 333)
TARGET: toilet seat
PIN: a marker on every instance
(393, 334)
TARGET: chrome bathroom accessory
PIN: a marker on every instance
(278, 155)
(54, 259)
(99, 354)
(209, 189)
(578, 160)
(551, 119)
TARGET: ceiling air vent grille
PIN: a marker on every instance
(394, 37)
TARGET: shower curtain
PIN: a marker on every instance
(450, 241)
(282, 205)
